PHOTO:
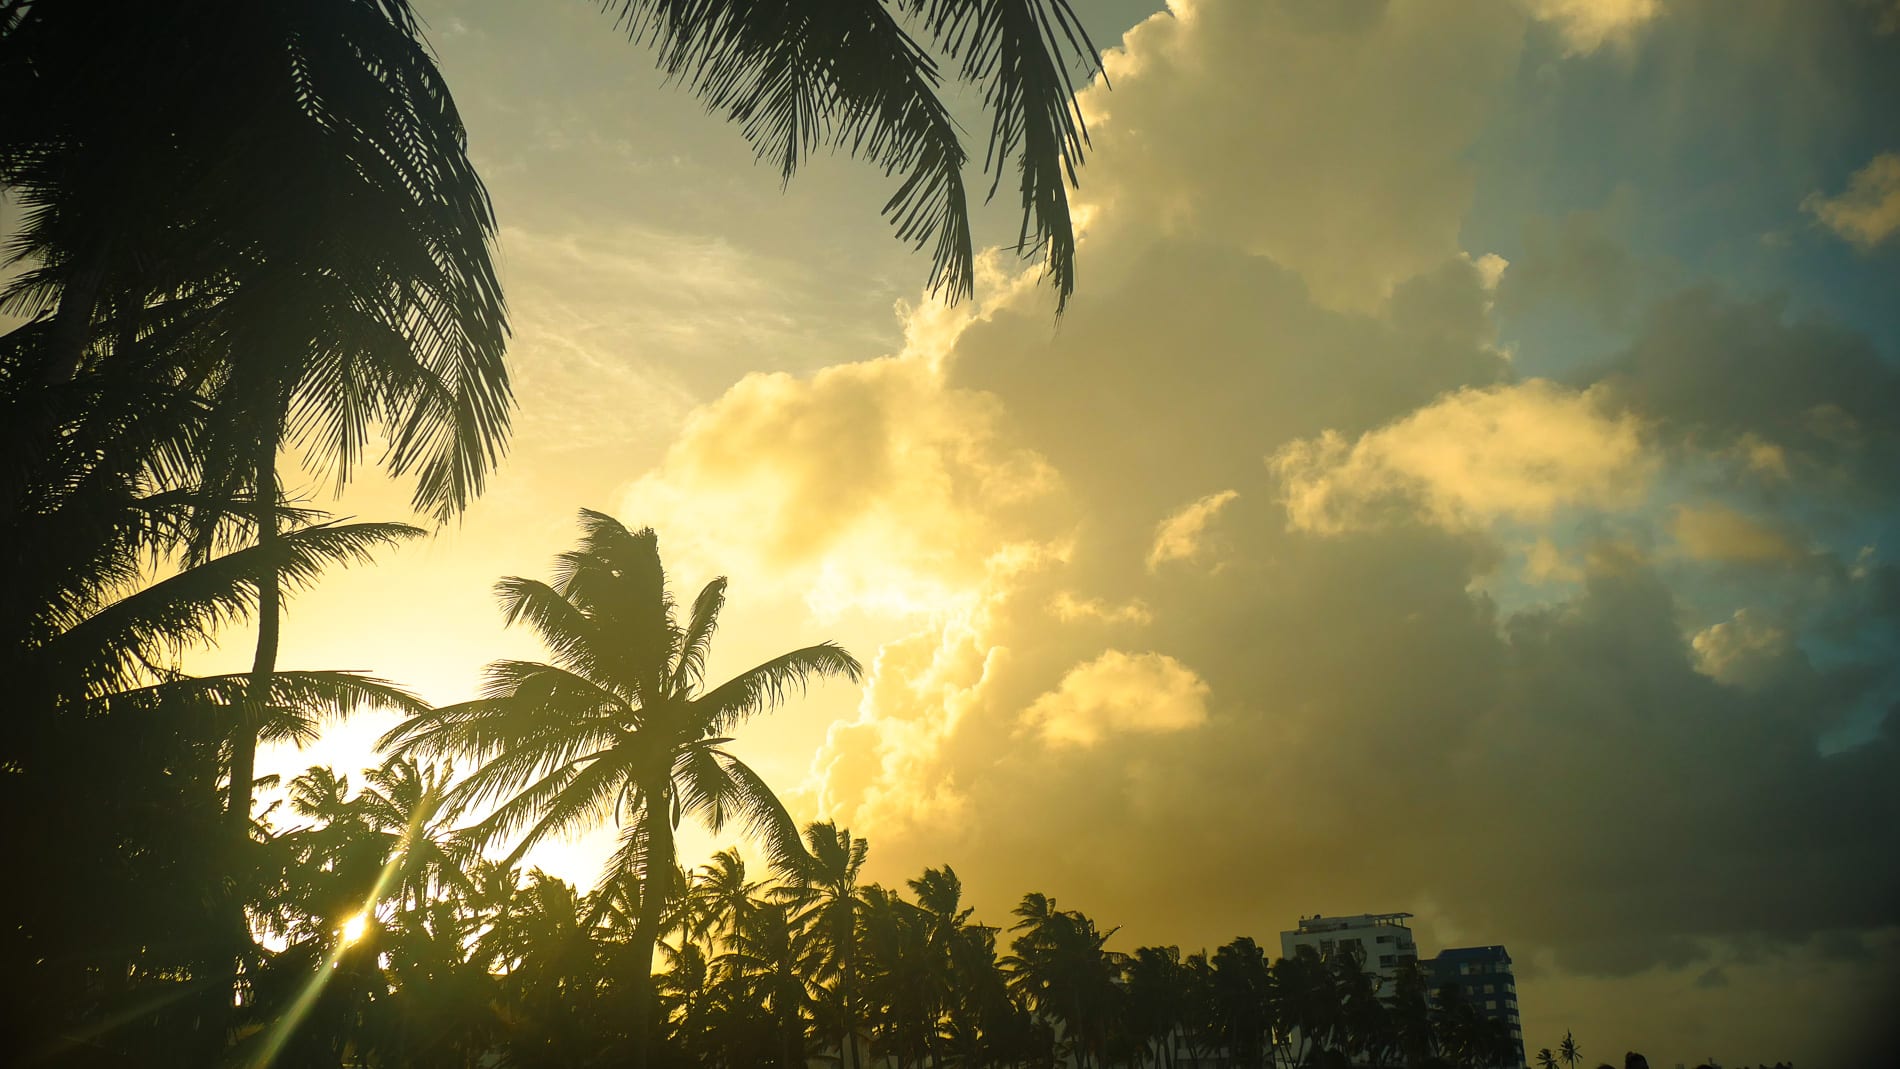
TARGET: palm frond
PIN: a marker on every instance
(561, 626)
(794, 76)
(689, 673)
(766, 685)
(109, 647)
(762, 815)
(1021, 52)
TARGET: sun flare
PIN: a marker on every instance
(354, 928)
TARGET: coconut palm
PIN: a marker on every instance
(719, 898)
(1545, 1059)
(796, 76)
(771, 962)
(824, 887)
(1060, 970)
(1569, 1051)
(303, 183)
(621, 726)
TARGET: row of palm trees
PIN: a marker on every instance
(390, 939)
(242, 230)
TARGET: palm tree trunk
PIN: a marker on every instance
(659, 862)
(250, 717)
(72, 320)
(848, 1058)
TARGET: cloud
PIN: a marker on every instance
(1520, 452)
(1545, 563)
(1716, 532)
(1867, 213)
(1788, 399)
(1327, 137)
(1741, 650)
(1389, 720)
(1180, 536)
(1119, 693)
(866, 487)
(1587, 25)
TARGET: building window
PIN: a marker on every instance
(1385, 961)
(1491, 1004)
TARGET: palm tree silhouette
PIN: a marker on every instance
(824, 886)
(796, 76)
(371, 304)
(1569, 1051)
(620, 726)
(1545, 1059)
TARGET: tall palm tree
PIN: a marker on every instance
(1242, 981)
(1569, 1051)
(824, 886)
(1061, 970)
(1545, 1059)
(797, 76)
(620, 726)
(305, 177)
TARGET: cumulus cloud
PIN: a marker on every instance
(1520, 452)
(1324, 136)
(1330, 722)
(1786, 399)
(867, 486)
(1742, 649)
(1119, 693)
(1867, 212)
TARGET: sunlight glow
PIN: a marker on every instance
(354, 928)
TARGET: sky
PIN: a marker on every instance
(1463, 484)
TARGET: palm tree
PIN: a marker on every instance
(797, 76)
(824, 886)
(1157, 999)
(369, 301)
(621, 725)
(1569, 1051)
(1242, 983)
(770, 961)
(719, 896)
(1061, 971)
(1545, 1059)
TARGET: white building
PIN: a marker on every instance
(1384, 937)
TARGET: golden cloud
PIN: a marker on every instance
(1179, 537)
(1327, 137)
(1119, 693)
(1867, 213)
(1474, 456)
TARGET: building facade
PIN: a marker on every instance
(1384, 937)
(1485, 977)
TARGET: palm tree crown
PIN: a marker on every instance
(621, 725)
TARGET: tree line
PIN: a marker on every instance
(388, 938)
(242, 235)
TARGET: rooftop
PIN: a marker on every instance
(1318, 923)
